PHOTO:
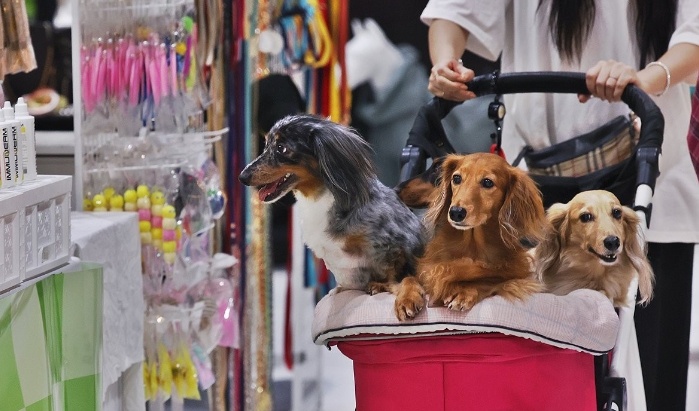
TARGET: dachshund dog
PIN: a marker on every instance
(593, 242)
(367, 237)
(484, 210)
(419, 191)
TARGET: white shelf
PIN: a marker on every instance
(35, 222)
(56, 143)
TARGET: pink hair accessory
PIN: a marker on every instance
(136, 73)
(96, 56)
(100, 80)
(128, 66)
(85, 78)
(153, 80)
(111, 70)
(162, 70)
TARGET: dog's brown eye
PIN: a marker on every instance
(586, 217)
(487, 183)
(456, 179)
(616, 213)
(281, 149)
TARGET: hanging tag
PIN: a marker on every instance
(497, 150)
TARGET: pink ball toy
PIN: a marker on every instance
(168, 235)
(156, 222)
(144, 214)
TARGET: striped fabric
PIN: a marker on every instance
(613, 152)
(693, 135)
(50, 344)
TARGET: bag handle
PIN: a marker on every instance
(427, 136)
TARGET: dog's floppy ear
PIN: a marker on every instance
(635, 249)
(522, 213)
(420, 191)
(442, 201)
(345, 163)
(549, 249)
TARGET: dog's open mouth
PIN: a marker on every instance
(460, 225)
(607, 258)
(272, 191)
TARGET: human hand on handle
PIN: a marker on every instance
(608, 79)
(448, 78)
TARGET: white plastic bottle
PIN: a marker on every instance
(7, 173)
(28, 136)
(16, 147)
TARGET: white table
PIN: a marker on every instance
(111, 239)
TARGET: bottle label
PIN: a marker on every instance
(16, 152)
(23, 142)
(7, 162)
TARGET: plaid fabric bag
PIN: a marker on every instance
(603, 159)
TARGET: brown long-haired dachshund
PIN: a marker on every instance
(484, 211)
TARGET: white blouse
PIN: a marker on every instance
(515, 29)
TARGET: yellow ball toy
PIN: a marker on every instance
(170, 258)
(87, 205)
(130, 196)
(116, 203)
(108, 193)
(169, 246)
(143, 203)
(157, 198)
(144, 226)
(146, 238)
(142, 191)
(156, 210)
(168, 211)
(99, 203)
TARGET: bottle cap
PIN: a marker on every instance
(21, 108)
(8, 111)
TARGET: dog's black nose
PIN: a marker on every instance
(457, 214)
(245, 177)
(611, 243)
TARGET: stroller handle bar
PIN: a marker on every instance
(427, 135)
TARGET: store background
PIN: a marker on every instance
(331, 372)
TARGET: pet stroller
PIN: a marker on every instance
(572, 352)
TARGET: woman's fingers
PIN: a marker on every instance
(604, 81)
(624, 80)
(591, 78)
(447, 81)
(608, 79)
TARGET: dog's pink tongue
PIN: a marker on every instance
(268, 189)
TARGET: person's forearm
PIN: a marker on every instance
(681, 59)
(447, 40)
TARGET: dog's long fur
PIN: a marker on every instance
(367, 237)
(574, 255)
(420, 191)
(482, 255)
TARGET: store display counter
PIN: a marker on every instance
(56, 351)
